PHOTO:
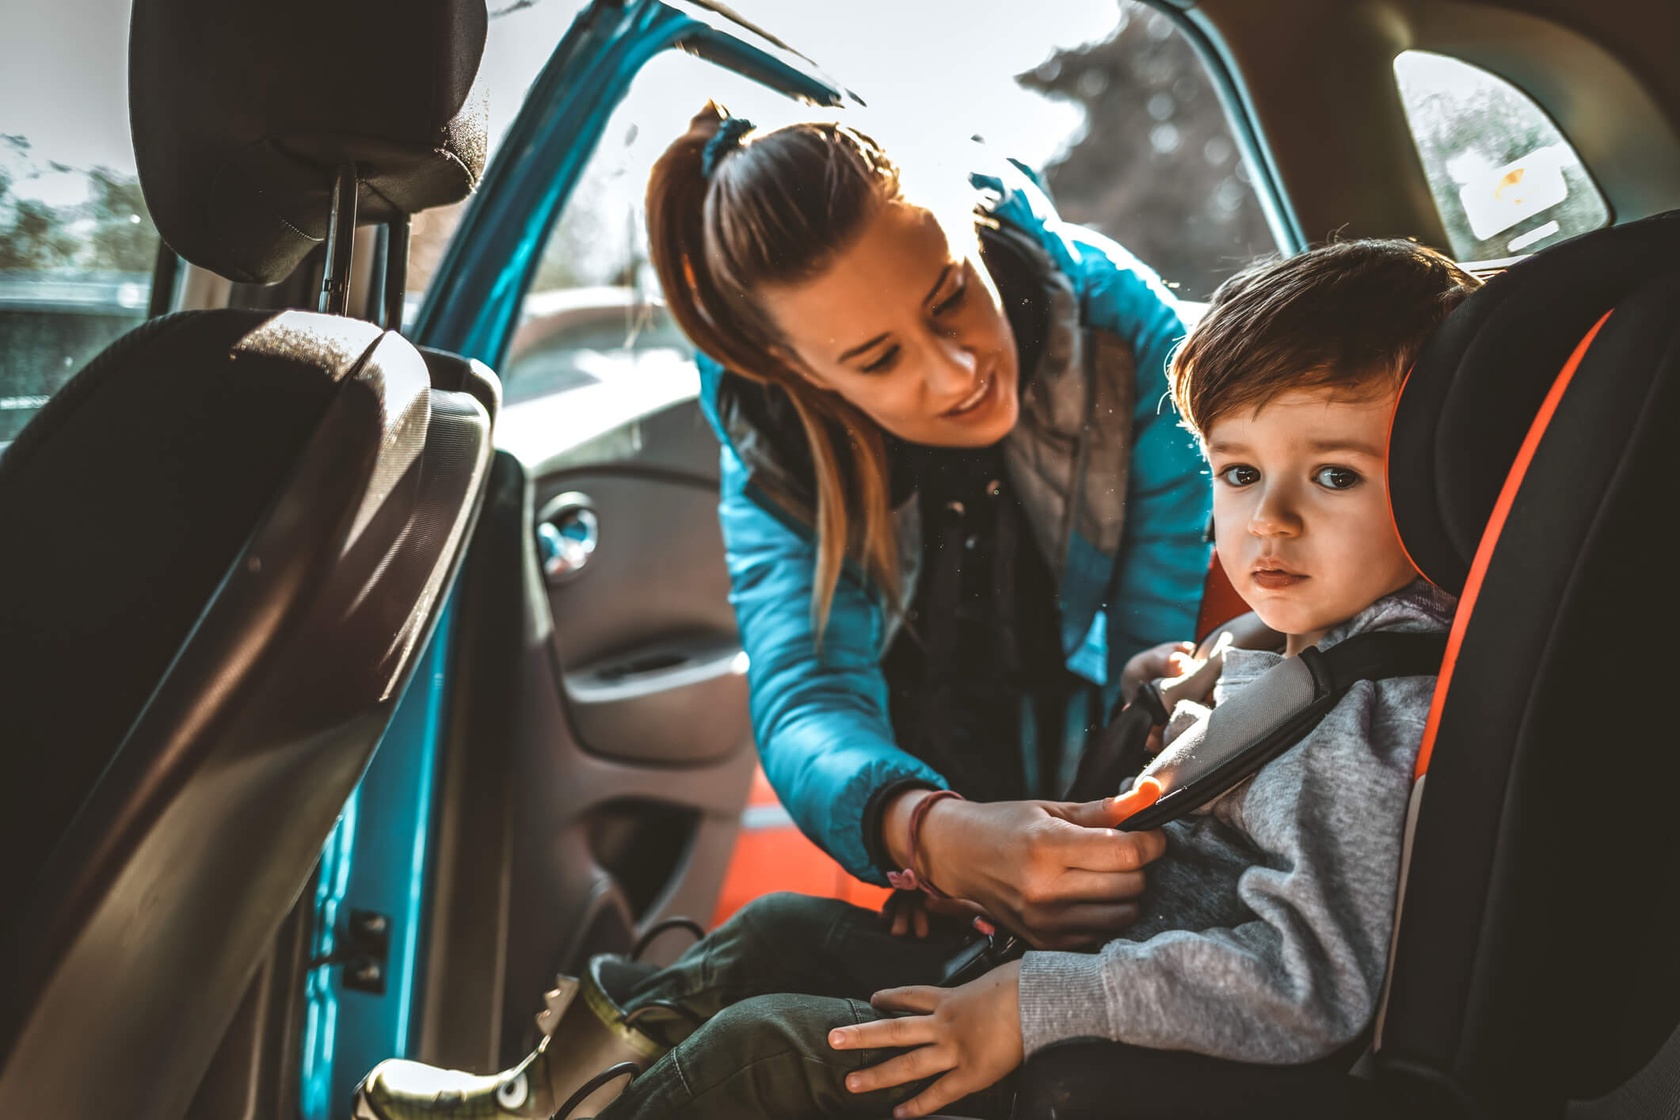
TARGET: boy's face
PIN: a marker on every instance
(1300, 509)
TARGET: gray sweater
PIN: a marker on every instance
(1266, 925)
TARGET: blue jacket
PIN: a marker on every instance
(1099, 448)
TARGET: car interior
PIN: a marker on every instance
(289, 519)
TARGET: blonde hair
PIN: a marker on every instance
(776, 209)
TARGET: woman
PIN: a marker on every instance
(946, 440)
(955, 503)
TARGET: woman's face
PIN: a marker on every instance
(909, 330)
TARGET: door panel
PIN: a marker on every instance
(644, 636)
(600, 750)
(602, 719)
(635, 744)
(642, 586)
(671, 701)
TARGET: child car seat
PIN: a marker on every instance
(1534, 973)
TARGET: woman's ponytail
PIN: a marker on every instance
(676, 218)
(717, 239)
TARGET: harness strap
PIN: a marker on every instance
(1266, 718)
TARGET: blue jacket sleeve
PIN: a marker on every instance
(1163, 558)
(820, 717)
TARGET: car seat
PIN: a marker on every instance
(1534, 972)
(226, 541)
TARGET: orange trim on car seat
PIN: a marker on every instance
(1388, 491)
(1220, 601)
(1490, 538)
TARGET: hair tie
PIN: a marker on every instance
(725, 140)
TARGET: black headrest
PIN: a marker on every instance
(241, 112)
(1479, 381)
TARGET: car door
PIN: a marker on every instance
(598, 752)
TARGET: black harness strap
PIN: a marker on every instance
(1273, 713)
(1268, 717)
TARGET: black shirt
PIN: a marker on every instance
(979, 656)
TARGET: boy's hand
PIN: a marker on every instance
(1169, 659)
(971, 1034)
(1246, 631)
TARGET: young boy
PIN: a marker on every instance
(1265, 925)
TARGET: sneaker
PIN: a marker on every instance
(586, 1039)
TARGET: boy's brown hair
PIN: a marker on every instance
(1350, 315)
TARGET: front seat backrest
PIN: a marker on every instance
(226, 540)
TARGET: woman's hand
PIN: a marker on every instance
(908, 913)
(970, 1034)
(1058, 873)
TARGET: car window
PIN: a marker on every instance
(1145, 154)
(520, 39)
(1153, 163)
(77, 246)
(594, 313)
(1505, 180)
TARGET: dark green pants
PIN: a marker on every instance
(767, 986)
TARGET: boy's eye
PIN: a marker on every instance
(1239, 474)
(884, 362)
(1337, 478)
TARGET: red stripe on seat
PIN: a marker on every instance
(1387, 466)
(1220, 601)
(1490, 538)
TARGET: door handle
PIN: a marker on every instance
(568, 532)
(661, 670)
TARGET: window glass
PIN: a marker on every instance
(1139, 149)
(522, 35)
(1505, 180)
(1154, 164)
(594, 314)
(77, 245)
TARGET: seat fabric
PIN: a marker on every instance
(1543, 783)
(129, 515)
(1478, 382)
(226, 542)
(294, 490)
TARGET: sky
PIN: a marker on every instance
(951, 63)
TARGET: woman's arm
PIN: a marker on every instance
(820, 720)
(1057, 873)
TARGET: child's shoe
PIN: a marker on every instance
(586, 1034)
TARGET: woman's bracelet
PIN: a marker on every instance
(912, 878)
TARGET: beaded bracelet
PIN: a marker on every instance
(910, 879)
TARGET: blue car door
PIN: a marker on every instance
(570, 765)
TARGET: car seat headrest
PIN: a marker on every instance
(1478, 382)
(242, 112)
